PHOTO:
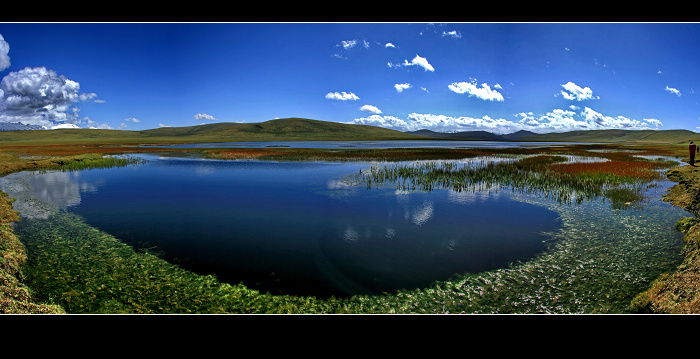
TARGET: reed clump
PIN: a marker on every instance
(548, 175)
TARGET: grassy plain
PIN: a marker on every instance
(147, 284)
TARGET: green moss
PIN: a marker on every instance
(684, 224)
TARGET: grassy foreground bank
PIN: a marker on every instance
(209, 296)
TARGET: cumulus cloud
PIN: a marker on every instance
(417, 61)
(39, 96)
(420, 61)
(343, 96)
(673, 91)
(401, 87)
(557, 120)
(388, 44)
(370, 108)
(440, 123)
(382, 121)
(484, 92)
(4, 50)
(574, 92)
(204, 116)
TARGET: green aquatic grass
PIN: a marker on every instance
(598, 261)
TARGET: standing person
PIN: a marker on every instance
(693, 149)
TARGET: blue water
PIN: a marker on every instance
(368, 144)
(296, 227)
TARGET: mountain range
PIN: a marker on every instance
(473, 135)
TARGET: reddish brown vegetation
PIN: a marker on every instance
(643, 170)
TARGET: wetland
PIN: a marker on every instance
(559, 229)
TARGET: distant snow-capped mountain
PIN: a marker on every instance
(18, 126)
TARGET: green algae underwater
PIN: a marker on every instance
(605, 253)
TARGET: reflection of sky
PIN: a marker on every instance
(38, 194)
(62, 189)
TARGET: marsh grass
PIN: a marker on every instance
(550, 176)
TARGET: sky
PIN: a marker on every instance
(445, 77)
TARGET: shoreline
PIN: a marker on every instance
(678, 292)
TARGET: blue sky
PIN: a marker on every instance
(498, 77)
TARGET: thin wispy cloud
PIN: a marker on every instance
(673, 91)
(453, 34)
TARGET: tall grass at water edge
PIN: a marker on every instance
(551, 176)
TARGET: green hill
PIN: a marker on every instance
(300, 129)
(289, 129)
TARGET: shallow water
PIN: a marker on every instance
(294, 227)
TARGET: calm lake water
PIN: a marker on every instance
(369, 144)
(297, 227)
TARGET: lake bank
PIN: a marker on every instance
(381, 303)
(678, 292)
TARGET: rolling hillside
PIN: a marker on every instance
(299, 129)
(290, 129)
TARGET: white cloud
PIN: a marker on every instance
(64, 126)
(673, 91)
(132, 119)
(484, 92)
(557, 120)
(454, 34)
(401, 87)
(388, 44)
(574, 92)
(382, 121)
(417, 61)
(370, 108)
(420, 61)
(4, 50)
(343, 96)
(349, 45)
(38, 96)
(596, 120)
(204, 116)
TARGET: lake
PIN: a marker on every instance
(297, 227)
(367, 144)
(303, 228)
